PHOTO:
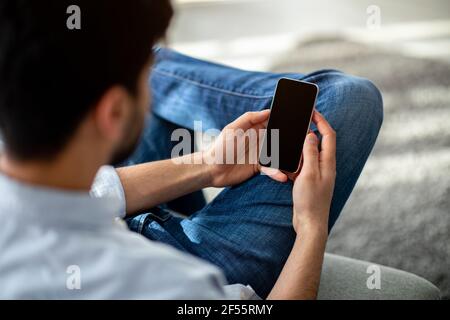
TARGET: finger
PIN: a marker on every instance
(274, 174)
(322, 124)
(328, 150)
(260, 126)
(249, 119)
(311, 155)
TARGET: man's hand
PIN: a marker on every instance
(313, 188)
(312, 193)
(234, 156)
(150, 184)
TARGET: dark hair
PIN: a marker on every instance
(51, 75)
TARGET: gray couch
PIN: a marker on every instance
(345, 278)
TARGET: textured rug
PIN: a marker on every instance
(399, 212)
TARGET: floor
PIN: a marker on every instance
(250, 33)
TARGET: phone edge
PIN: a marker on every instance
(288, 173)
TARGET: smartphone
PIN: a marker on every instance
(291, 114)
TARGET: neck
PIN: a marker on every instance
(65, 172)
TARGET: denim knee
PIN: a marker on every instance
(372, 94)
(354, 106)
(368, 99)
(347, 99)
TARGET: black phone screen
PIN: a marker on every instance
(291, 112)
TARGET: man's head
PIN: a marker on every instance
(58, 84)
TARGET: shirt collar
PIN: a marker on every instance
(54, 205)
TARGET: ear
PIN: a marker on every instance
(111, 113)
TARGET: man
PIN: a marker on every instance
(73, 101)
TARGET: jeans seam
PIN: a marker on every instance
(160, 219)
(209, 87)
(142, 222)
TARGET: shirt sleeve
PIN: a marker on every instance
(107, 184)
(240, 292)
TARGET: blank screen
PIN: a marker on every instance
(291, 114)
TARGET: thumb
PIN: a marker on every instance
(249, 119)
(311, 154)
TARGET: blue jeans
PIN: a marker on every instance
(247, 229)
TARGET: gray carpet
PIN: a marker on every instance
(399, 212)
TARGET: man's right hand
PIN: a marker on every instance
(313, 187)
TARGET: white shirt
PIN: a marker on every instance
(58, 244)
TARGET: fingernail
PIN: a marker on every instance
(311, 138)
